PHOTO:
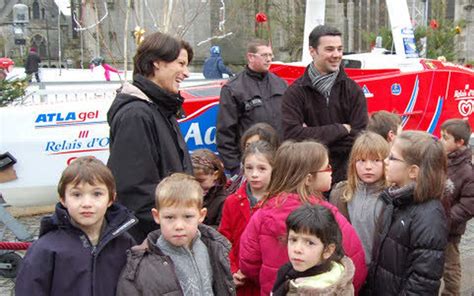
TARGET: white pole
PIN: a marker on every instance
(125, 41)
(59, 41)
(402, 28)
(314, 16)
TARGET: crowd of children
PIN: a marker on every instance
(392, 228)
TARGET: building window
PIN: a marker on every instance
(36, 10)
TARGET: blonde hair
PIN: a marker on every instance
(425, 151)
(293, 162)
(368, 145)
(179, 190)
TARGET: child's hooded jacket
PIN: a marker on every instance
(64, 262)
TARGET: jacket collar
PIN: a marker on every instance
(119, 220)
(254, 74)
(132, 90)
(169, 103)
(370, 188)
(291, 197)
(399, 196)
(459, 156)
(207, 234)
(306, 80)
(242, 190)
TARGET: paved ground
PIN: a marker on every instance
(467, 260)
(466, 248)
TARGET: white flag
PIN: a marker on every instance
(64, 6)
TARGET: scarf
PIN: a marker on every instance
(252, 199)
(322, 83)
(287, 273)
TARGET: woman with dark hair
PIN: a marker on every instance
(146, 144)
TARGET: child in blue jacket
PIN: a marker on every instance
(82, 247)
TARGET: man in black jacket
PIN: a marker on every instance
(324, 104)
(32, 64)
(252, 96)
(146, 144)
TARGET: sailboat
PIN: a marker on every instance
(43, 138)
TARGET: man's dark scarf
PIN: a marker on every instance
(322, 83)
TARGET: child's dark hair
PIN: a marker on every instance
(260, 147)
(425, 151)
(208, 162)
(382, 122)
(86, 169)
(458, 128)
(264, 131)
(318, 221)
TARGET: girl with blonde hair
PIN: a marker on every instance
(357, 198)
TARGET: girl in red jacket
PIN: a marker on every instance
(257, 161)
(300, 174)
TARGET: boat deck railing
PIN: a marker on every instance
(72, 91)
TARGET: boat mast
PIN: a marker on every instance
(400, 21)
(402, 29)
(314, 16)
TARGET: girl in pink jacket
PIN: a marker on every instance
(300, 174)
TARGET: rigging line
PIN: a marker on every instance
(81, 28)
(221, 26)
(151, 14)
(101, 39)
(214, 37)
(198, 11)
(222, 16)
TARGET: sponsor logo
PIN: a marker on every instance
(67, 118)
(407, 31)
(465, 98)
(77, 145)
(396, 89)
(199, 128)
(367, 92)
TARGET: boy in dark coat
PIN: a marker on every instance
(455, 138)
(82, 246)
(184, 257)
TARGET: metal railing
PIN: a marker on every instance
(67, 91)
